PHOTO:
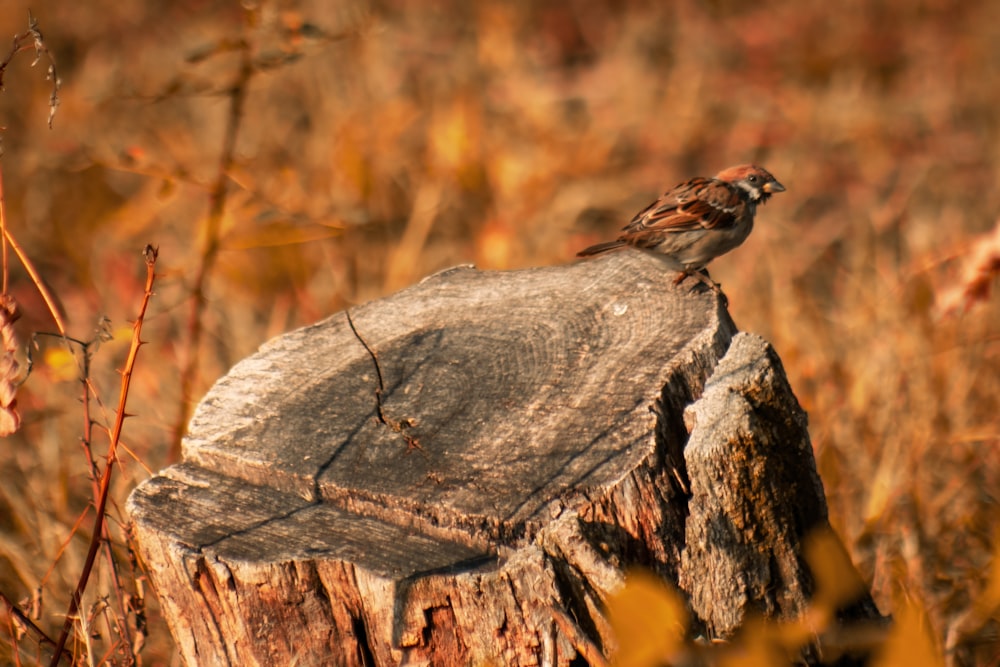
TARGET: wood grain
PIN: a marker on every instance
(527, 446)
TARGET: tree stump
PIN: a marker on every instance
(442, 476)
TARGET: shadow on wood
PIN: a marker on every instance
(536, 433)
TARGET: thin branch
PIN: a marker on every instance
(29, 626)
(36, 278)
(3, 232)
(32, 38)
(150, 255)
(213, 224)
(101, 335)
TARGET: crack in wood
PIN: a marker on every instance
(578, 638)
(203, 585)
(412, 443)
(365, 649)
(246, 530)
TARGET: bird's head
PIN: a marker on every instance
(756, 181)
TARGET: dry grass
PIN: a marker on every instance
(389, 140)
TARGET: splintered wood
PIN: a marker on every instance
(453, 473)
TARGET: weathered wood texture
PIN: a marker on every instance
(543, 431)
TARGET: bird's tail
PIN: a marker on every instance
(599, 248)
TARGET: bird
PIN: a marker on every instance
(698, 220)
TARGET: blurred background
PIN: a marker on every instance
(382, 141)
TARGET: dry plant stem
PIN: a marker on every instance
(95, 539)
(20, 43)
(3, 233)
(14, 647)
(8, 239)
(195, 327)
(122, 626)
(65, 544)
(36, 278)
(27, 625)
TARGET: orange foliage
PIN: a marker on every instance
(381, 142)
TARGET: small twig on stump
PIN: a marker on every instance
(397, 426)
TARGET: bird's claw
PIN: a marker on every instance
(704, 278)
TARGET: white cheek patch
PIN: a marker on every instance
(753, 191)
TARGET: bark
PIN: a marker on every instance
(447, 475)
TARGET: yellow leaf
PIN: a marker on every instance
(276, 233)
(910, 643)
(495, 245)
(757, 647)
(649, 621)
(837, 582)
(122, 334)
(61, 363)
(454, 136)
(878, 497)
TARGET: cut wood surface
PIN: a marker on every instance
(445, 476)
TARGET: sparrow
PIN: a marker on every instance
(698, 220)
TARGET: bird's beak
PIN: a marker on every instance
(773, 186)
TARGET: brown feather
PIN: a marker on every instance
(699, 219)
(600, 247)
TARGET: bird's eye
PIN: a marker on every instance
(752, 178)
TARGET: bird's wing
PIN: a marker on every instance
(701, 203)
